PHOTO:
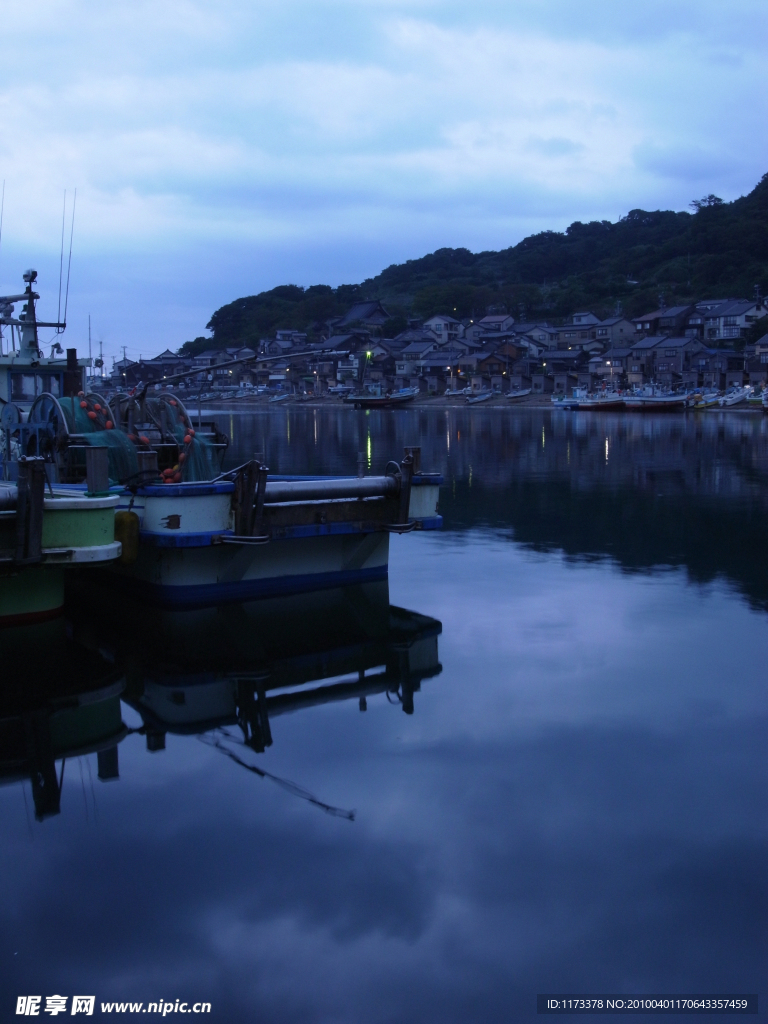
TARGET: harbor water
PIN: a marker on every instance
(547, 772)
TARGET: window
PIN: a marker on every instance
(764, 357)
(25, 386)
(602, 331)
(730, 332)
(636, 368)
(729, 321)
(670, 351)
(663, 367)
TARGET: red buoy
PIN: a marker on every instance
(131, 437)
(91, 415)
(108, 424)
(83, 405)
(177, 478)
(182, 457)
(97, 407)
(187, 439)
(191, 431)
(173, 401)
(144, 440)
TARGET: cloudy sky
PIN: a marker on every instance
(223, 147)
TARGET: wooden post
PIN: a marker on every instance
(29, 511)
(97, 470)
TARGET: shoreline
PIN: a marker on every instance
(440, 403)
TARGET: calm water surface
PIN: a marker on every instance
(576, 803)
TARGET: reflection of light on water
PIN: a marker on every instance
(606, 449)
(568, 453)
(470, 476)
(543, 438)
(314, 417)
(448, 439)
(288, 427)
(369, 449)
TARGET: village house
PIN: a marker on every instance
(411, 356)
(731, 318)
(615, 332)
(667, 320)
(445, 329)
(641, 363)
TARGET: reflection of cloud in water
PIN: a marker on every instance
(541, 822)
(576, 803)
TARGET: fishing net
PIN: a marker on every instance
(91, 419)
(197, 457)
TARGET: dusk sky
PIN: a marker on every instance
(222, 148)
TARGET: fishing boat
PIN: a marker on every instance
(43, 534)
(43, 531)
(704, 398)
(599, 400)
(563, 401)
(280, 398)
(755, 397)
(734, 396)
(247, 534)
(653, 398)
(519, 393)
(481, 396)
(376, 397)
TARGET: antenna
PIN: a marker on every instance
(61, 256)
(69, 262)
(90, 358)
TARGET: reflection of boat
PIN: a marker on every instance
(480, 396)
(59, 700)
(232, 673)
(265, 658)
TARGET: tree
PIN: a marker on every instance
(705, 202)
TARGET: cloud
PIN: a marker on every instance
(388, 126)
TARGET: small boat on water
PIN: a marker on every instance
(519, 393)
(653, 398)
(706, 398)
(563, 401)
(481, 396)
(280, 398)
(582, 399)
(734, 396)
(375, 397)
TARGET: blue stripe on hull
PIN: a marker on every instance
(205, 594)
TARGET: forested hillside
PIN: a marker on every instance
(716, 250)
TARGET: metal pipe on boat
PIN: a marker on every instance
(327, 490)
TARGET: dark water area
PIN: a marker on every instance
(534, 761)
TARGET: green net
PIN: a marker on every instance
(197, 457)
(123, 465)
